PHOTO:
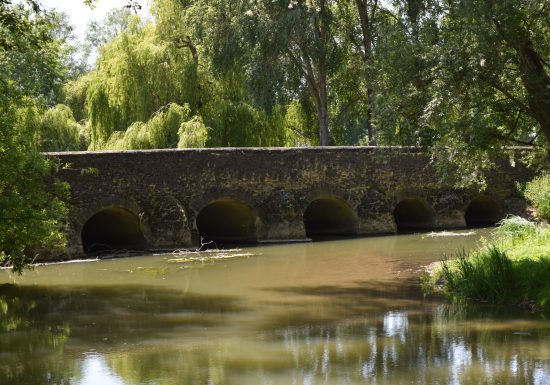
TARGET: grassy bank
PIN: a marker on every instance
(512, 267)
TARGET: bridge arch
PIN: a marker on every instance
(228, 220)
(483, 211)
(329, 215)
(414, 214)
(112, 228)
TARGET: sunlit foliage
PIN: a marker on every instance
(538, 193)
(136, 75)
(193, 133)
(161, 131)
(29, 214)
(57, 130)
(510, 268)
(31, 73)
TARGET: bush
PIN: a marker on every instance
(537, 192)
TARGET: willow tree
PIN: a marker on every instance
(137, 74)
(214, 32)
(57, 130)
(161, 131)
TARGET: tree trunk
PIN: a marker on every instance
(366, 23)
(370, 128)
(322, 116)
(321, 106)
(537, 83)
(531, 69)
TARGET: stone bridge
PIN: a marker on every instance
(168, 198)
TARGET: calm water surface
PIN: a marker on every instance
(339, 312)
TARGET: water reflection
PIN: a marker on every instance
(405, 347)
(424, 343)
(283, 318)
(396, 323)
(43, 328)
(96, 371)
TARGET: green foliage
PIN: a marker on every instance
(299, 126)
(32, 69)
(446, 76)
(75, 92)
(511, 268)
(238, 124)
(161, 131)
(478, 101)
(164, 126)
(34, 56)
(58, 131)
(538, 193)
(193, 133)
(136, 75)
(89, 171)
(29, 213)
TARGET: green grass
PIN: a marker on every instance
(512, 267)
(538, 193)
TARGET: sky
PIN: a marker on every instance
(80, 15)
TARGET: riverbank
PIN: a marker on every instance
(512, 267)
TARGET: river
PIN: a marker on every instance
(336, 312)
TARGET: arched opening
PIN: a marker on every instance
(414, 214)
(110, 229)
(329, 216)
(227, 220)
(482, 211)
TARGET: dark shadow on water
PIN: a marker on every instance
(342, 302)
(375, 299)
(38, 324)
(332, 237)
(121, 311)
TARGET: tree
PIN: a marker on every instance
(365, 41)
(136, 75)
(99, 33)
(30, 213)
(265, 54)
(521, 29)
(56, 130)
(403, 65)
(483, 91)
(297, 38)
(31, 74)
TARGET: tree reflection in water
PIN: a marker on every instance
(356, 335)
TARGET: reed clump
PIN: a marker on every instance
(512, 267)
